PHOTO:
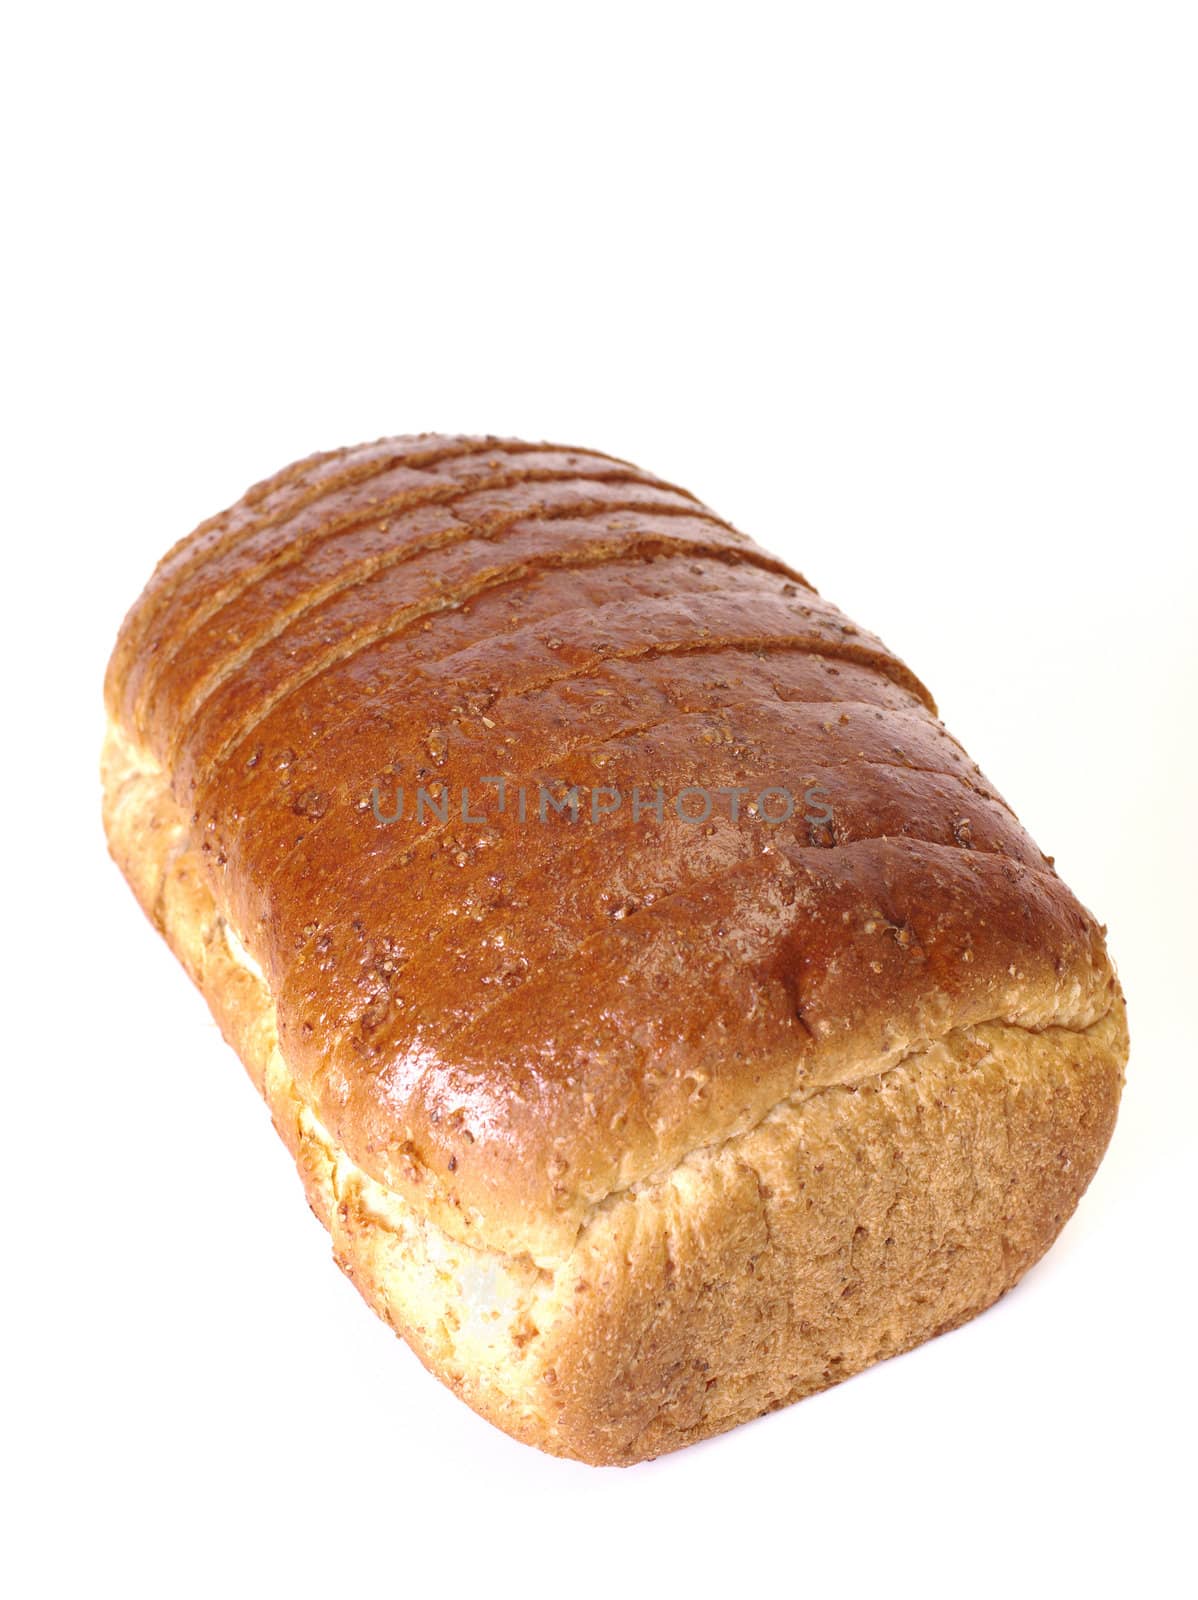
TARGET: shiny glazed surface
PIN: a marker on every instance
(507, 1020)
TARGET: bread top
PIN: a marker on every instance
(508, 1018)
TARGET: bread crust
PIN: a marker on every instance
(740, 1111)
(846, 1227)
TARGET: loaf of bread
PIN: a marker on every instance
(667, 1017)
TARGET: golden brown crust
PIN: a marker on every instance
(509, 1034)
(846, 1227)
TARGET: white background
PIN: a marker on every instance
(909, 293)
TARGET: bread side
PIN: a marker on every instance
(849, 1224)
